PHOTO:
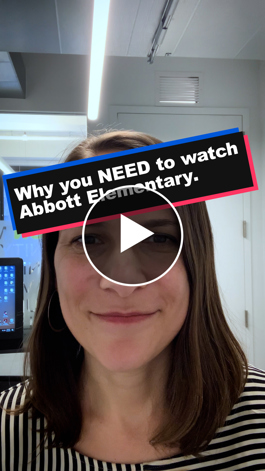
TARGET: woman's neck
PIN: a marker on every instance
(124, 398)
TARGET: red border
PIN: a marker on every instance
(146, 210)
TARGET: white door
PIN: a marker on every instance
(227, 214)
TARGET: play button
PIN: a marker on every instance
(132, 246)
(132, 233)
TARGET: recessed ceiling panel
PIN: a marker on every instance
(28, 26)
(4, 57)
(75, 25)
(12, 76)
(7, 72)
(221, 28)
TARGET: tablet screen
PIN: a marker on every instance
(7, 298)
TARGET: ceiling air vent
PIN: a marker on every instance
(178, 90)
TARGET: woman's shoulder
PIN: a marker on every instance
(13, 396)
(256, 371)
(242, 433)
(254, 390)
(249, 410)
(255, 381)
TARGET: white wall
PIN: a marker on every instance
(261, 317)
(58, 83)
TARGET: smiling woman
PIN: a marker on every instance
(148, 376)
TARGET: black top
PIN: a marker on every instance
(239, 444)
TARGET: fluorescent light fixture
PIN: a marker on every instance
(99, 34)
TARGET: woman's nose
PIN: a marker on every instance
(124, 267)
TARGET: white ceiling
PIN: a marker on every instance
(199, 28)
(223, 29)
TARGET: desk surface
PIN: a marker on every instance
(11, 363)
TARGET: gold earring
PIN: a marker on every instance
(55, 330)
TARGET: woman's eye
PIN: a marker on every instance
(89, 240)
(161, 239)
(92, 239)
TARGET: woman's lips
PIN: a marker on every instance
(124, 318)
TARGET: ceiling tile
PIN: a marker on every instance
(221, 28)
(122, 17)
(75, 25)
(255, 48)
(28, 26)
(179, 23)
(145, 26)
(199, 28)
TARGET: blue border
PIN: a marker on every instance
(106, 157)
(117, 154)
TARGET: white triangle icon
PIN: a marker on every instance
(132, 233)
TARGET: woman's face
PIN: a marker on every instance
(86, 298)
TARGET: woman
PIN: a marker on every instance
(170, 391)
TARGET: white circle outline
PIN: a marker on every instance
(134, 284)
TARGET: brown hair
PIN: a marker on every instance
(208, 368)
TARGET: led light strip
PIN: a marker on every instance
(99, 34)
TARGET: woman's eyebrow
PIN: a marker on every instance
(159, 223)
(149, 223)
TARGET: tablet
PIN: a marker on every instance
(11, 303)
